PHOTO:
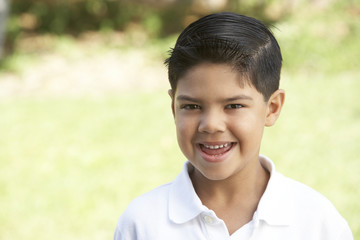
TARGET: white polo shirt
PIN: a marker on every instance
(287, 210)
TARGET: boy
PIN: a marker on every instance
(224, 73)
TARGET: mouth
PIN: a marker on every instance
(215, 152)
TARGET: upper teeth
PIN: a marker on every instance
(216, 146)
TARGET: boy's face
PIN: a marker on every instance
(220, 120)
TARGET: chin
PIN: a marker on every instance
(215, 175)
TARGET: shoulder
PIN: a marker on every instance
(151, 202)
(314, 210)
(305, 196)
(293, 193)
(144, 210)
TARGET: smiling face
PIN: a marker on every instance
(220, 120)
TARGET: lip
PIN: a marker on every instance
(215, 158)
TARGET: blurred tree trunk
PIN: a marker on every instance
(4, 9)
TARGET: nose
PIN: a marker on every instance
(212, 122)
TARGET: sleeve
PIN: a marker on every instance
(117, 234)
(346, 233)
(129, 224)
(125, 229)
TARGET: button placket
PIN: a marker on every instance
(215, 228)
(208, 219)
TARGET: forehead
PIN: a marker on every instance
(209, 80)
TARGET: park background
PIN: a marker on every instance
(85, 120)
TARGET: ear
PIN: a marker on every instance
(274, 106)
(171, 94)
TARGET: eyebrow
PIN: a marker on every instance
(186, 98)
(239, 97)
(231, 99)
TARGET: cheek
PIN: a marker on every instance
(248, 130)
(184, 138)
(185, 128)
(185, 123)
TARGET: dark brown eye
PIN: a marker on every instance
(233, 106)
(190, 106)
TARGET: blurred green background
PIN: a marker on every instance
(86, 124)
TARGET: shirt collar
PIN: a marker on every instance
(275, 206)
(184, 204)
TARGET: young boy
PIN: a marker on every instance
(224, 73)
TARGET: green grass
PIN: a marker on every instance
(70, 165)
(316, 140)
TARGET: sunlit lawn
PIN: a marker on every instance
(70, 165)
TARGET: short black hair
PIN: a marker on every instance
(243, 42)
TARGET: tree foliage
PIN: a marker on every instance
(76, 16)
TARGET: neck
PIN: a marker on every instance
(235, 199)
(240, 188)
